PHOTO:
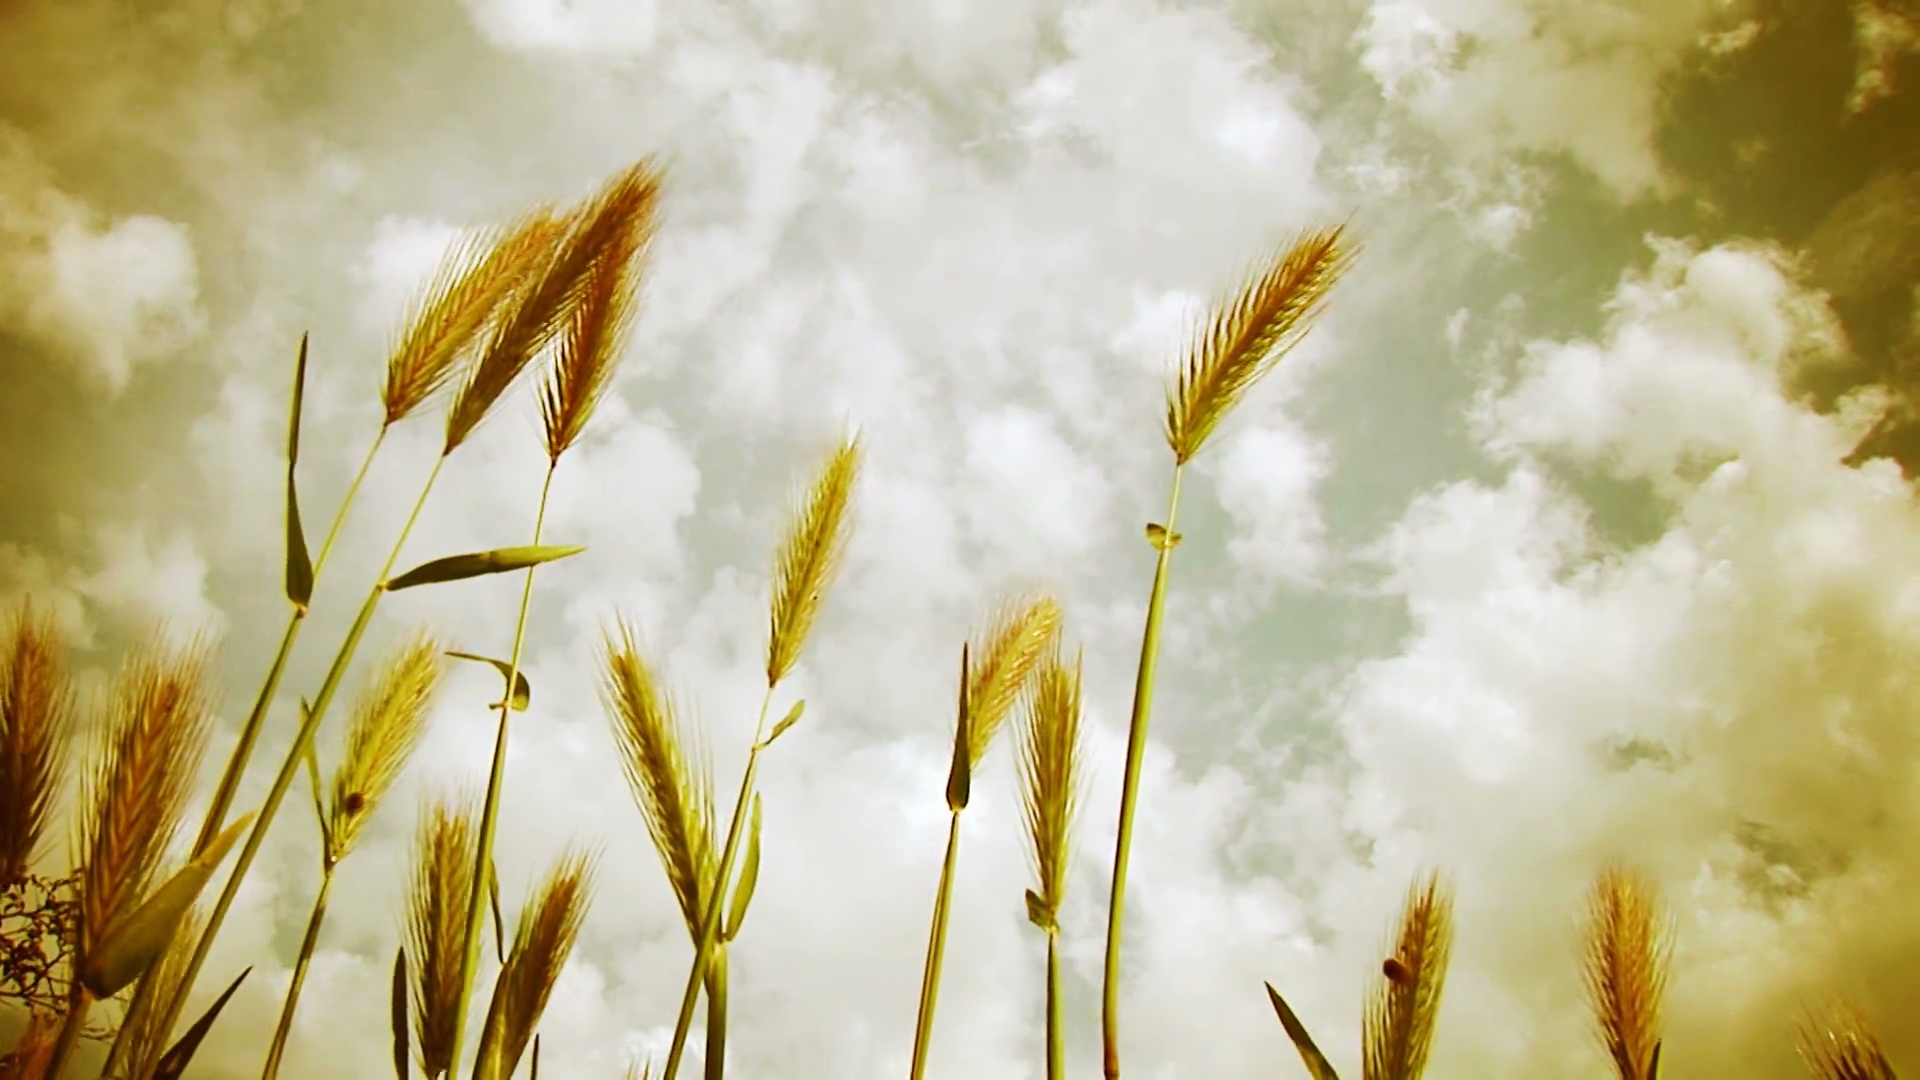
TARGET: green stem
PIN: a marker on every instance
(710, 927)
(490, 816)
(307, 945)
(78, 1002)
(716, 1063)
(237, 761)
(290, 767)
(936, 950)
(1130, 789)
(1056, 1052)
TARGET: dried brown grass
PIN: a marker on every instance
(436, 923)
(596, 332)
(809, 556)
(549, 925)
(1625, 968)
(478, 273)
(36, 727)
(1397, 1028)
(1243, 339)
(1001, 663)
(1840, 1044)
(388, 722)
(139, 772)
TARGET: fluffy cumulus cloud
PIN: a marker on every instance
(1617, 586)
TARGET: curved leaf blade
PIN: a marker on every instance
(174, 1063)
(299, 571)
(480, 563)
(397, 1013)
(1316, 1062)
(130, 949)
(522, 689)
(749, 877)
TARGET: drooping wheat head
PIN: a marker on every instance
(810, 554)
(478, 274)
(146, 1042)
(1625, 968)
(670, 774)
(140, 769)
(387, 724)
(1839, 1044)
(1002, 661)
(539, 310)
(596, 331)
(1397, 1029)
(549, 924)
(36, 727)
(1050, 754)
(442, 878)
(1245, 337)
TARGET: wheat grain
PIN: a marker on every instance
(809, 556)
(436, 923)
(1050, 753)
(1003, 660)
(549, 924)
(1625, 964)
(1397, 1029)
(387, 725)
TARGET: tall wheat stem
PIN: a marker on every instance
(490, 814)
(1056, 1050)
(1130, 786)
(319, 916)
(79, 1003)
(710, 926)
(290, 767)
(936, 949)
(716, 1060)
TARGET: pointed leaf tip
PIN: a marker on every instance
(131, 947)
(299, 568)
(479, 563)
(1316, 1062)
(749, 877)
(174, 1063)
(787, 721)
(522, 689)
(397, 1014)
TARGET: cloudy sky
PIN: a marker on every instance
(1579, 529)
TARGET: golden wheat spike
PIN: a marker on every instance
(387, 724)
(673, 787)
(36, 727)
(1625, 968)
(596, 332)
(1840, 1044)
(1244, 338)
(1002, 661)
(549, 924)
(1397, 1030)
(139, 773)
(442, 878)
(147, 1043)
(478, 274)
(1050, 753)
(810, 555)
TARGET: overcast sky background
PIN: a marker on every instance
(1580, 528)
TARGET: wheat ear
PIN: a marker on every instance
(1397, 1029)
(1050, 756)
(436, 920)
(1840, 1044)
(815, 545)
(36, 727)
(549, 924)
(1625, 968)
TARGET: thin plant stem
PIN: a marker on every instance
(490, 816)
(716, 1063)
(1130, 787)
(307, 945)
(936, 950)
(237, 762)
(79, 1002)
(296, 754)
(710, 927)
(1056, 1051)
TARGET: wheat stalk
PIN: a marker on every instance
(1625, 968)
(138, 773)
(436, 923)
(816, 542)
(479, 272)
(1397, 1029)
(1050, 761)
(1840, 1044)
(549, 924)
(36, 725)
(1241, 340)
(596, 331)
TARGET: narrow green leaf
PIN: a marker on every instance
(174, 1063)
(493, 901)
(1038, 913)
(960, 775)
(1317, 1065)
(132, 947)
(522, 690)
(299, 573)
(787, 721)
(749, 877)
(397, 1010)
(479, 564)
